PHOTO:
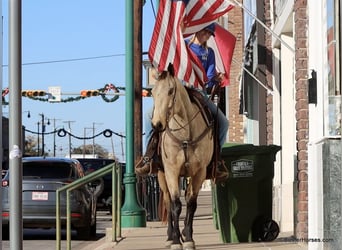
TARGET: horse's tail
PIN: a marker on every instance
(162, 209)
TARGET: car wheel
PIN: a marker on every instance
(83, 233)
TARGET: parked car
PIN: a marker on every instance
(42, 176)
(104, 201)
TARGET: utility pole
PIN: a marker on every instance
(84, 140)
(94, 137)
(69, 127)
(54, 136)
(43, 132)
(38, 123)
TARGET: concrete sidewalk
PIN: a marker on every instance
(206, 236)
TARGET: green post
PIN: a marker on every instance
(132, 214)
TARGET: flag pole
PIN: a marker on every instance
(264, 25)
(269, 90)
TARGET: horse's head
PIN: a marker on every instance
(164, 96)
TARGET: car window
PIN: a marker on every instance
(47, 170)
(91, 165)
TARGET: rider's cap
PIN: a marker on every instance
(211, 28)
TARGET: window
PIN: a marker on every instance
(333, 124)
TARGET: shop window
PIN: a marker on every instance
(333, 124)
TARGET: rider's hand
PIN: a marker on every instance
(219, 77)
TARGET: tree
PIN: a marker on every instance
(88, 149)
(31, 146)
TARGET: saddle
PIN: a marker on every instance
(197, 98)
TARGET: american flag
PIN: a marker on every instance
(223, 45)
(175, 20)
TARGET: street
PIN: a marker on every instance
(34, 239)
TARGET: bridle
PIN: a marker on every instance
(184, 143)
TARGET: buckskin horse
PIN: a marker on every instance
(186, 149)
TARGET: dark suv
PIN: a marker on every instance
(41, 178)
(104, 200)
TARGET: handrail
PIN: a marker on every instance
(116, 201)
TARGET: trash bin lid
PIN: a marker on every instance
(235, 149)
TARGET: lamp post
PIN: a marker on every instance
(54, 136)
(84, 141)
(43, 131)
(69, 126)
(94, 137)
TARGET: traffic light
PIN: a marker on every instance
(146, 92)
(89, 93)
(33, 93)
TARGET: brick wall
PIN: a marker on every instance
(269, 73)
(302, 114)
(235, 26)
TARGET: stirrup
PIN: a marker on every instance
(221, 174)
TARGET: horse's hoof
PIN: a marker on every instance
(176, 247)
(168, 243)
(189, 245)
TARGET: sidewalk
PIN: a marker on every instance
(206, 237)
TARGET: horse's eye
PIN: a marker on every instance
(170, 91)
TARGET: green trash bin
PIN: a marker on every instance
(242, 206)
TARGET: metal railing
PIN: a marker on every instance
(116, 170)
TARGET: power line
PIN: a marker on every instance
(69, 60)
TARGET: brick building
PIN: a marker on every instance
(293, 99)
(286, 90)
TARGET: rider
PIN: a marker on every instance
(198, 44)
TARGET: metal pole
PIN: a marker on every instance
(133, 215)
(84, 142)
(69, 126)
(43, 131)
(1, 140)
(94, 139)
(38, 125)
(264, 25)
(15, 125)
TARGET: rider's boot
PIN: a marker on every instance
(149, 163)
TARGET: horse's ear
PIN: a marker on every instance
(171, 69)
(154, 73)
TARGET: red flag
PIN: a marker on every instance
(167, 43)
(223, 45)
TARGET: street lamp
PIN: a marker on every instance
(28, 113)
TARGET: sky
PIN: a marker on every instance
(64, 30)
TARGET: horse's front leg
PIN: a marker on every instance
(167, 206)
(191, 207)
(176, 209)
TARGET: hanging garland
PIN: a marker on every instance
(103, 92)
(106, 89)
